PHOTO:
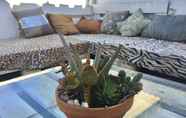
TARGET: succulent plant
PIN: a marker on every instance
(92, 84)
(107, 93)
(88, 75)
(72, 82)
(130, 85)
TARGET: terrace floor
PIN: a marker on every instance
(23, 94)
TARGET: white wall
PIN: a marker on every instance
(148, 6)
(51, 8)
(178, 6)
(71, 3)
(157, 6)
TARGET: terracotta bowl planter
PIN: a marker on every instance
(73, 111)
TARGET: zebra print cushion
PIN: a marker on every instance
(173, 65)
(167, 58)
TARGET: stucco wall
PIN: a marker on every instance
(178, 6)
(51, 8)
(159, 6)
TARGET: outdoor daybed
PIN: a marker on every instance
(154, 55)
(145, 54)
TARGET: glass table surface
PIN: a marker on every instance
(33, 96)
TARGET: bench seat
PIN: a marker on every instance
(155, 56)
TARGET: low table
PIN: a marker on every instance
(34, 97)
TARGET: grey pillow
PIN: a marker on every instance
(171, 28)
(33, 22)
(109, 24)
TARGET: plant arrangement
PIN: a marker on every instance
(90, 85)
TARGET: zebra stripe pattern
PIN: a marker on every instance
(174, 66)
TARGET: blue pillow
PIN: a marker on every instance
(35, 25)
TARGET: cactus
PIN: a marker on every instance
(130, 85)
(71, 82)
(92, 83)
(88, 75)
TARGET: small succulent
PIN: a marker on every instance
(129, 85)
(107, 93)
(72, 82)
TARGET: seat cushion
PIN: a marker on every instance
(164, 48)
(33, 53)
(147, 55)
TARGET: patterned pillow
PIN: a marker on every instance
(110, 19)
(33, 22)
(134, 24)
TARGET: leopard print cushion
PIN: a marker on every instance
(34, 53)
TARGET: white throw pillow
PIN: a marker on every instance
(9, 28)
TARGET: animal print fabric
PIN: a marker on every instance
(174, 66)
(164, 57)
(35, 53)
(168, 58)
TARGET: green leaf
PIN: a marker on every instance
(76, 58)
(106, 93)
(122, 74)
(109, 64)
(98, 57)
(70, 57)
(102, 63)
(127, 80)
(137, 77)
(89, 76)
